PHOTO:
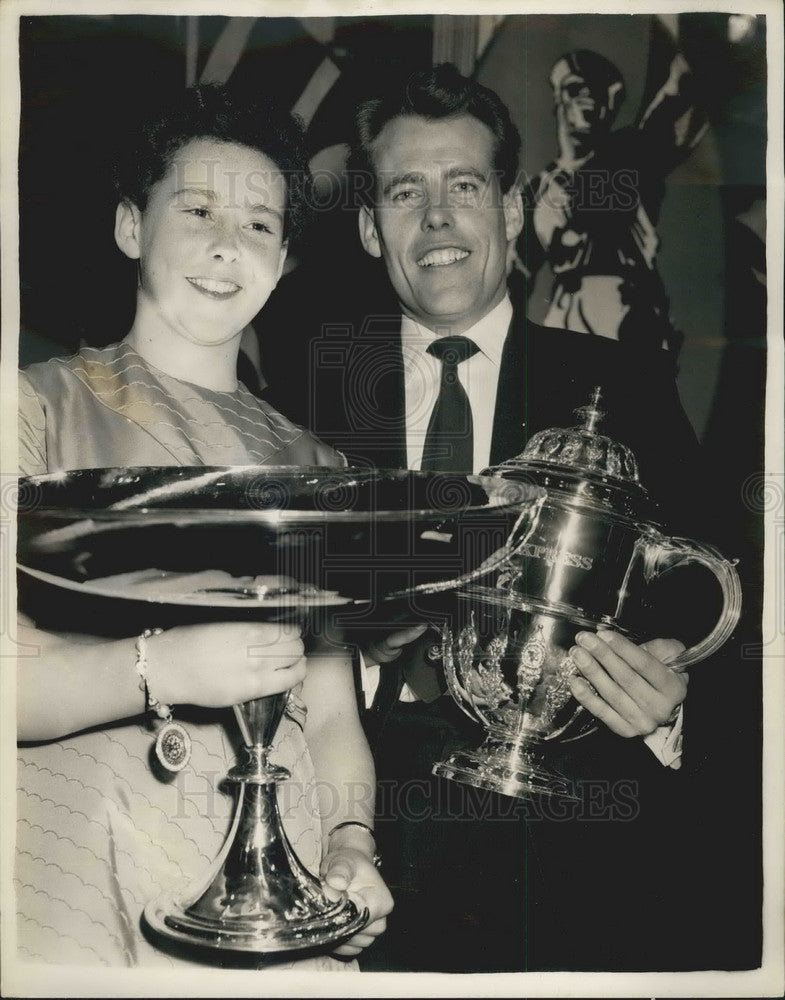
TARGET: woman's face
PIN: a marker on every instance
(210, 242)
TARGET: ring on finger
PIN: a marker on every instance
(592, 689)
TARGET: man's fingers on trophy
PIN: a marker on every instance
(659, 653)
(639, 691)
(612, 650)
(617, 687)
(611, 677)
(670, 685)
(656, 689)
(618, 657)
(586, 695)
(647, 660)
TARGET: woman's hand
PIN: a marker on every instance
(225, 663)
(348, 867)
(630, 688)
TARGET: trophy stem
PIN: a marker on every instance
(259, 719)
(509, 765)
(257, 896)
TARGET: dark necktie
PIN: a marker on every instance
(449, 447)
(449, 444)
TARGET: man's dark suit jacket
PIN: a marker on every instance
(616, 895)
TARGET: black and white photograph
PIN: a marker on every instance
(392, 504)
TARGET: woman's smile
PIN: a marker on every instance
(215, 288)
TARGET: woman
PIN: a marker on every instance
(208, 197)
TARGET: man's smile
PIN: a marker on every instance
(442, 257)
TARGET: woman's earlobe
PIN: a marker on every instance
(127, 229)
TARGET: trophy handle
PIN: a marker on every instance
(661, 554)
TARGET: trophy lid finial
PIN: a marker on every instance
(591, 414)
(582, 448)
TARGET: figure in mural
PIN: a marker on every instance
(592, 213)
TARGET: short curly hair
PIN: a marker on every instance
(437, 93)
(212, 111)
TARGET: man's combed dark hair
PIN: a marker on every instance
(437, 93)
(215, 112)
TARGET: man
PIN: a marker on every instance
(594, 209)
(437, 162)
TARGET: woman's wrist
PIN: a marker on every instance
(161, 676)
(162, 709)
(354, 835)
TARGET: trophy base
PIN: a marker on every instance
(262, 935)
(505, 766)
(257, 897)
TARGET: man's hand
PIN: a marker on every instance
(389, 648)
(350, 869)
(627, 687)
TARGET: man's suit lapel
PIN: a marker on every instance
(508, 420)
(390, 395)
(373, 397)
(544, 375)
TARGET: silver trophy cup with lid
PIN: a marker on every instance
(595, 551)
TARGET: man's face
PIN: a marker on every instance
(584, 105)
(440, 221)
(209, 242)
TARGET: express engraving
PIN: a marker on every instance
(552, 556)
